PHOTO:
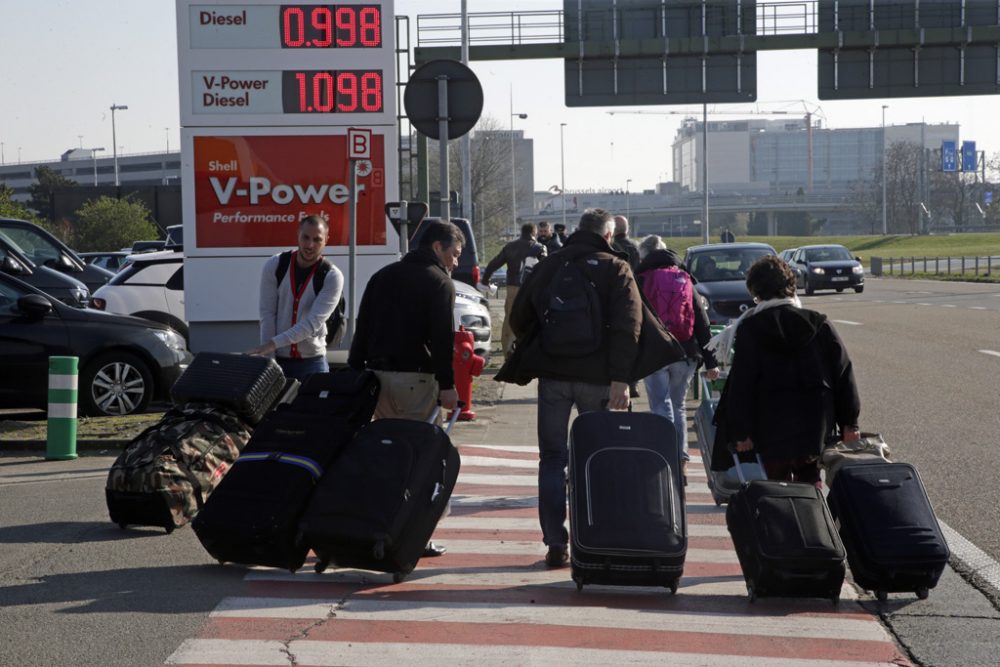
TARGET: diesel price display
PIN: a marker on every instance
(298, 26)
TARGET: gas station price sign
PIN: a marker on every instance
(281, 64)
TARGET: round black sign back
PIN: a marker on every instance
(465, 98)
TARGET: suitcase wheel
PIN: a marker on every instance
(923, 592)
(397, 577)
(321, 565)
(751, 593)
(221, 562)
(882, 595)
(673, 587)
(169, 529)
(122, 525)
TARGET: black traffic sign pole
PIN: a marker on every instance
(443, 162)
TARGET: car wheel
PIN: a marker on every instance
(859, 290)
(115, 383)
(809, 288)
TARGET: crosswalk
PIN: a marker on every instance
(490, 601)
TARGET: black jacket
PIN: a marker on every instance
(622, 243)
(694, 347)
(552, 244)
(406, 319)
(791, 383)
(621, 310)
(513, 255)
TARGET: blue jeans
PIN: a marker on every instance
(300, 369)
(666, 390)
(556, 399)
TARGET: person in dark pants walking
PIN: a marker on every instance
(520, 255)
(586, 381)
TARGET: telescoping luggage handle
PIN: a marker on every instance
(738, 464)
(451, 420)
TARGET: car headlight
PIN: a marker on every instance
(818, 270)
(171, 339)
(81, 296)
(858, 270)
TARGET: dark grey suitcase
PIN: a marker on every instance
(626, 501)
(378, 505)
(785, 539)
(249, 385)
(893, 540)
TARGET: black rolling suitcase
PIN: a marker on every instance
(253, 517)
(352, 394)
(378, 505)
(893, 540)
(785, 539)
(249, 385)
(626, 501)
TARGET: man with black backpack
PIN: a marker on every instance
(577, 321)
(520, 256)
(299, 292)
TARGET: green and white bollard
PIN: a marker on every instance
(61, 442)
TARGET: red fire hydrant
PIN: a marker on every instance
(466, 365)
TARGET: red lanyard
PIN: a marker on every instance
(297, 292)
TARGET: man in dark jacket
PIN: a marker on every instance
(790, 385)
(519, 255)
(547, 238)
(622, 243)
(560, 232)
(584, 380)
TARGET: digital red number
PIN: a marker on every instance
(347, 23)
(347, 86)
(293, 20)
(322, 20)
(371, 91)
(371, 27)
(323, 97)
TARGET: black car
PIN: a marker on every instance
(468, 262)
(720, 272)
(14, 262)
(124, 362)
(44, 249)
(819, 267)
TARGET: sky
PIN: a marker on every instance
(66, 62)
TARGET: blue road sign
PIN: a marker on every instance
(988, 197)
(969, 156)
(949, 159)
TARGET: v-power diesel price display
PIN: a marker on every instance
(288, 92)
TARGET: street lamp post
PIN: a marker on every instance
(93, 154)
(562, 173)
(513, 175)
(628, 207)
(114, 137)
(885, 225)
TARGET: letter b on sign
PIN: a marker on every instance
(359, 144)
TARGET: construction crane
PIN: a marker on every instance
(810, 110)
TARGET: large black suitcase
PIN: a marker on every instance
(626, 500)
(347, 392)
(785, 539)
(893, 540)
(253, 516)
(249, 385)
(378, 505)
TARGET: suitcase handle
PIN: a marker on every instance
(739, 468)
(451, 420)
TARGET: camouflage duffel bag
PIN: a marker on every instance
(168, 471)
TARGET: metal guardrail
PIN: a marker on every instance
(779, 17)
(939, 266)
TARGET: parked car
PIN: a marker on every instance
(472, 311)
(44, 249)
(112, 260)
(468, 263)
(175, 238)
(124, 362)
(151, 287)
(499, 277)
(147, 246)
(14, 262)
(720, 270)
(786, 255)
(827, 267)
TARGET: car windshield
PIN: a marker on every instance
(724, 264)
(35, 247)
(831, 254)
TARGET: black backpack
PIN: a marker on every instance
(572, 321)
(336, 324)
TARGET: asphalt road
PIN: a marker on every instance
(927, 358)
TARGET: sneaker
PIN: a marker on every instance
(434, 550)
(556, 557)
